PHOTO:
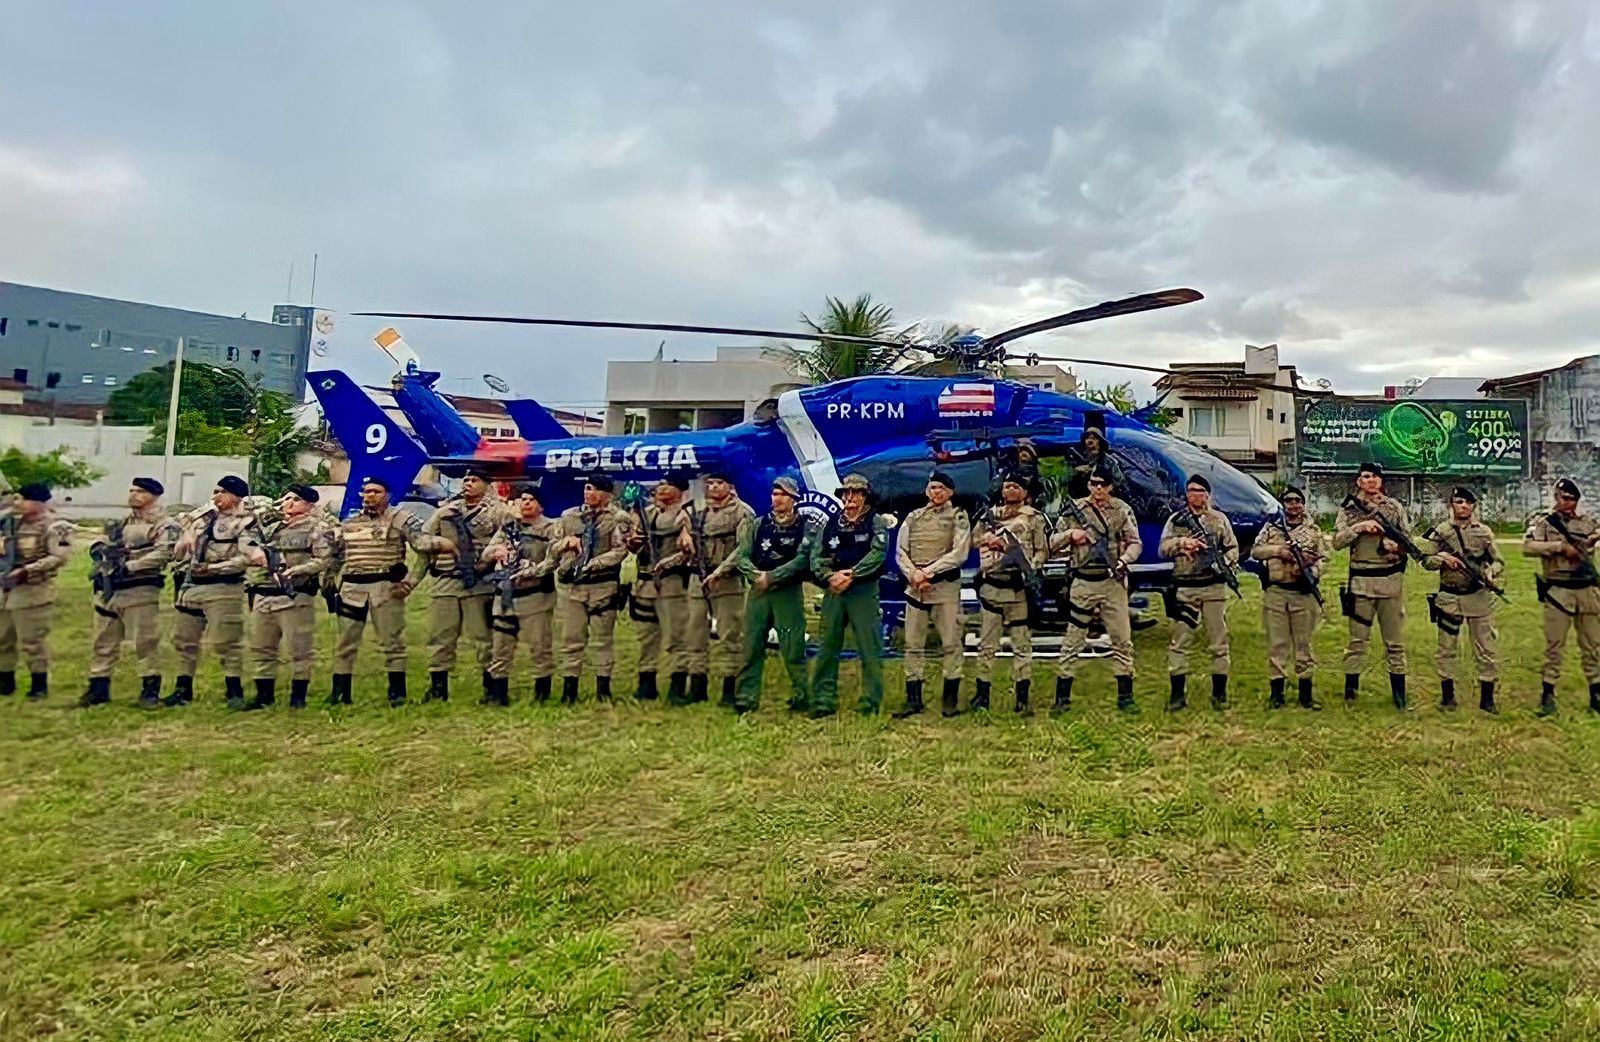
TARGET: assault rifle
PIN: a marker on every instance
(1475, 572)
(9, 524)
(278, 569)
(1211, 555)
(1391, 531)
(197, 554)
(1102, 540)
(1298, 555)
(1582, 546)
(589, 549)
(110, 559)
(466, 566)
(502, 577)
(1016, 557)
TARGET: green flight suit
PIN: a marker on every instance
(780, 605)
(857, 607)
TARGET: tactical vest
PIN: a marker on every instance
(1451, 580)
(374, 548)
(33, 541)
(661, 529)
(930, 534)
(469, 529)
(847, 544)
(533, 546)
(777, 544)
(292, 539)
(1088, 564)
(719, 531)
(217, 543)
(137, 534)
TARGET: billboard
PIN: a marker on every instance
(1465, 437)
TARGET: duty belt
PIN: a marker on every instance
(1300, 586)
(545, 584)
(1572, 584)
(375, 577)
(134, 581)
(1004, 581)
(948, 575)
(273, 590)
(607, 575)
(1377, 571)
(216, 580)
(1196, 581)
(1095, 575)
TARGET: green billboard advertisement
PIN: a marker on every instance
(1473, 436)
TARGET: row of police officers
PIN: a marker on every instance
(712, 579)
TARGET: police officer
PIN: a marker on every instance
(589, 553)
(1100, 548)
(1012, 543)
(373, 587)
(33, 547)
(460, 604)
(716, 603)
(523, 546)
(1569, 588)
(211, 562)
(773, 555)
(129, 573)
(1200, 595)
(1461, 546)
(660, 606)
(847, 557)
(1094, 455)
(1290, 610)
(283, 603)
(932, 547)
(1377, 580)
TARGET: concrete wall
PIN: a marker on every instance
(95, 345)
(740, 378)
(114, 450)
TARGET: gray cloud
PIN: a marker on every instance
(1368, 184)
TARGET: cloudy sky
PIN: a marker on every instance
(1387, 189)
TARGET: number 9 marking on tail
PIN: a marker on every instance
(377, 438)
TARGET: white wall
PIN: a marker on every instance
(114, 450)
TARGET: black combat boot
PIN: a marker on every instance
(38, 685)
(950, 697)
(489, 689)
(182, 692)
(298, 690)
(727, 693)
(697, 687)
(1307, 700)
(646, 691)
(1547, 700)
(438, 686)
(397, 688)
(8, 683)
(541, 689)
(233, 693)
(1594, 698)
(913, 700)
(1486, 697)
(97, 693)
(1063, 696)
(1219, 691)
(1397, 690)
(1125, 694)
(150, 691)
(266, 694)
(569, 691)
(980, 696)
(1352, 684)
(1024, 690)
(498, 691)
(677, 689)
(602, 688)
(1447, 694)
(1177, 698)
(340, 695)
(1275, 699)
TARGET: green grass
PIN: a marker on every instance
(636, 872)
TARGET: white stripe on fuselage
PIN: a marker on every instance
(810, 451)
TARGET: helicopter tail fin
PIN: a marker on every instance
(376, 445)
(534, 421)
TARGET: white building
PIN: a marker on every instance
(668, 395)
(1046, 376)
(1242, 412)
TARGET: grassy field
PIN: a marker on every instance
(627, 871)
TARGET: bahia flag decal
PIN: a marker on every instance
(967, 400)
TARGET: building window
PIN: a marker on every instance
(2, 325)
(88, 378)
(32, 322)
(635, 421)
(51, 379)
(73, 327)
(110, 381)
(233, 354)
(1208, 422)
(1283, 417)
(19, 375)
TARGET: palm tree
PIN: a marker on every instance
(829, 360)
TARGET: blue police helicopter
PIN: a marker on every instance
(892, 427)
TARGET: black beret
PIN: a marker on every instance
(233, 484)
(717, 475)
(1463, 492)
(678, 482)
(601, 482)
(1371, 467)
(305, 492)
(1293, 490)
(1569, 487)
(525, 489)
(477, 472)
(375, 480)
(940, 477)
(150, 485)
(1198, 479)
(35, 492)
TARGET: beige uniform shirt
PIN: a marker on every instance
(1116, 522)
(212, 558)
(936, 540)
(372, 552)
(1314, 549)
(1571, 582)
(309, 545)
(1374, 572)
(1474, 541)
(1194, 567)
(482, 520)
(606, 533)
(42, 546)
(719, 539)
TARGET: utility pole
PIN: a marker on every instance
(172, 413)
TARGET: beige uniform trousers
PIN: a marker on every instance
(25, 630)
(1212, 604)
(943, 610)
(1582, 616)
(214, 612)
(588, 617)
(716, 628)
(1011, 619)
(530, 625)
(1390, 615)
(388, 621)
(295, 627)
(1290, 619)
(133, 613)
(661, 618)
(450, 615)
(1108, 599)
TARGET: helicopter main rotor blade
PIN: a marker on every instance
(1031, 359)
(660, 327)
(1165, 298)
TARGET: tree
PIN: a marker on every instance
(829, 360)
(57, 468)
(1120, 397)
(222, 397)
